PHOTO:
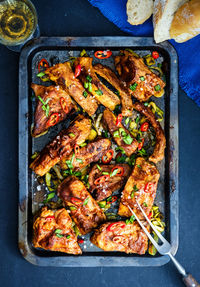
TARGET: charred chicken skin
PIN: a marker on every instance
(141, 185)
(63, 75)
(83, 156)
(52, 230)
(101, 185)
(62, 145)
(51, 101)
(120, 134)
(159, 150)
(100, 92)
(140, 81)
(124, 93)
(119, 236)
(85, 211)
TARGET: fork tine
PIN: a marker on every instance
(144, 229)
(152, 226)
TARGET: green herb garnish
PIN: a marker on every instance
(144, 203)
(133, 87)
(58, 233)
(116, 134)
(105, 173)
(132, 218)
(72, 208)
(86, 85)
(99, 168)
(146, 104)
(139, 166)
(45, 105)
(86, 201)
(128, 139)
(142, 78)
(49, 196)
(127, 121)
(83, 144)
(135, 188)
(115, 171)
(85, 94)
(142, 152)
(70, 162)
(71, 135)
(132, 194)
(99, 92)
(41, 74)
(137, 119)
(89, 78)
(90, 87)
(120, 159)
(79, 160)
(68, 236)
(157, 88)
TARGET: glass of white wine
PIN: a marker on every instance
(18, 23)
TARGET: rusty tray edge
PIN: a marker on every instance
(25, 194)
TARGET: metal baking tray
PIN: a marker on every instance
(31, 193)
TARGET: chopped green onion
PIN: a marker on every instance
(99, 92)
(85, 94)
(128, 139)
(127, 121)
(86, 201)
(146, 104)
(117, 93)
(116, 134)
(133, 87)
(132, 218)
(157, 88)
(86, 85)
(115, 171)
(89, 78)
(99, 168)
(137, 119)
(58, 233)
(77, 173)
(102, 204)
(68, 236)
(72, 208)
(79, 160)
(142, 152)
(41, 74)
(135, 188)
(83, 53)
(45, 105)
(120, 159)
(50, 196)
(70, 162)
(145, 204)
(142, 78)
(105, 173)
(132, 194)
(90, 87)
(83, 144)
(71, 135)
(139, 166)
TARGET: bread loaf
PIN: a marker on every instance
(186, 22)
(138, 11)
(162, 17)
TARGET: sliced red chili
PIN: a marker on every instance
(119, 119)
(149, 187)
(141, 144)
(76, 201)
(144, 127)
(50, 217)
(77, 149)
(101, 179)
(120, 170)
(106, 158)
(43, 64)
(54, 118)
(113, 199)
(155, 55)
(80, 240)
(116, 226)
(77, 71)
(103, 54)
(150, 215)
(64, 106)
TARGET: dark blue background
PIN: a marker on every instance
(78, 18)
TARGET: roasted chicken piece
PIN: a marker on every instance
(110, 76)
(159, 150)
(62, 145)
(103, 185)
(101, 93)
(63, 75)
(139, 79)
(51, 101)
(119, 236)
(141, 185)
(87, 154)
(52, 230)
(85, 211)
(120, 134)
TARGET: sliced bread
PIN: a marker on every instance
(162, 17)
(138, 11)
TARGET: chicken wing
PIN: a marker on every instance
(102, 189)
(85, 211)
(119, 236)
(101, 93)
(50, 100)
(52, 230)
(86, 155)
(141, 185)
(62, 145)
(120, 134)
(63, 75)
(142, 83)
(110, 76)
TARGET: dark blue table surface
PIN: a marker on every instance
(78, 18)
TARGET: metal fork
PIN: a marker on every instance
(165, 248)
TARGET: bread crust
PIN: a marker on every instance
(186, 22)
(130, 13)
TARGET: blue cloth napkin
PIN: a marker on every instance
(188, 52)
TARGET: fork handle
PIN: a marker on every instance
(190, 281)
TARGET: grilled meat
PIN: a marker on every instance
(101, 93)
(110, 76)
(57, 101)
(118, 236)
(53, 231)
(139, 79)
(105, 188)
(63, 75)
(85, 211)
(123, 138)
(141, 185)
(88, 154)
(62, 145)
(159, 150)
